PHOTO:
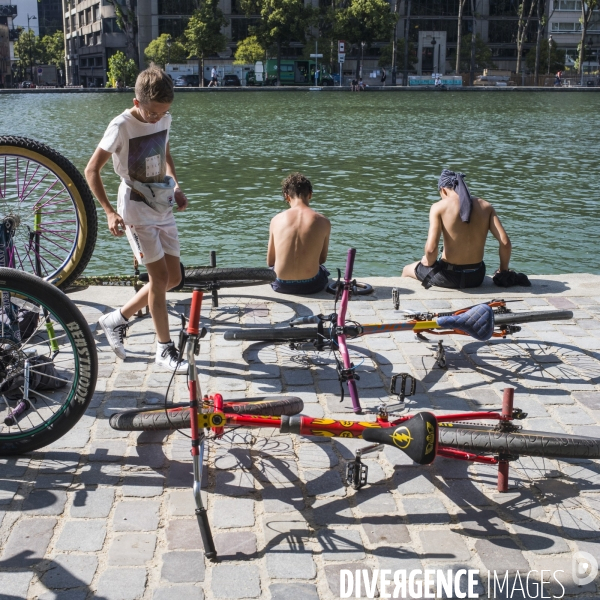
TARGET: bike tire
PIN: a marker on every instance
(61, 336)
(532, 317)
(284, 334)
(233, 276)
(362, 289)
(68, 238)
(484, 440)
(179, 417)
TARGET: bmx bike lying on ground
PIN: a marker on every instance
(422, 435)
(333, 331)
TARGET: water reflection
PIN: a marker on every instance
(373, 159)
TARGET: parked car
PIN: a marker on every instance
(189, 81)
(28, 84)
(231, 80)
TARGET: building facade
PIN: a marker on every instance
(92, 36)
(8, 35)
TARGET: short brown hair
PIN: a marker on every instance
(296, 185)
(154, 85)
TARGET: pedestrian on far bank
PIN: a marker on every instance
(138, 140)
(557, 79)
(213, 78)
(361, 85)
(354, 85)
(383, 76)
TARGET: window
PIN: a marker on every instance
(566, 27)
(83, 62)
(88, 16)
(67, 25)
(176, 7)
(96, 12)
(174, 27)
(98, 61)
(567, 5)
(110, 26)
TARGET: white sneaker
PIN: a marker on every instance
(115, 326)
(167, 356)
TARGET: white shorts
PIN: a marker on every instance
(150, 242)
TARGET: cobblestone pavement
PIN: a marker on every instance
(109, 515)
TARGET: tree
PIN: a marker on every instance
(248, 51)
(386, 56)
(557, 58)
(587, 10)
(159, 52)
(525, 12)
(28, 49)
(126, 13)
(281, 21)
(364, 21)
(53, 50)
(123, 68)
(461, 8)
(483, 54)
(203, 35)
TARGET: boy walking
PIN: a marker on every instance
(138, 140)
(298, 241)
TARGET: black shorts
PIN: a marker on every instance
(306, 286)
(451, 276)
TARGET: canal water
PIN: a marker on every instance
(373, 159)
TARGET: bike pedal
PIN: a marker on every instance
(404, 377)
(356, 474)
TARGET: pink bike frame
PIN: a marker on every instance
(348, 372)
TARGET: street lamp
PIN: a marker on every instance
(433, 43)
(32, 18)
(549, 52)
(169, 44)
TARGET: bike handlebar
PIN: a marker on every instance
(306, 320)
(350, 263)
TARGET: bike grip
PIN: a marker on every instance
(194, 322)
(350, 263)
(207, 539)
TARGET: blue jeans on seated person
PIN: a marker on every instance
(303, 286)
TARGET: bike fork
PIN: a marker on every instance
(198, 437)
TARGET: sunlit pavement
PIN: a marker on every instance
(107, 514)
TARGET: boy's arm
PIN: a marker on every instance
(433, 237)
(500, 234)
(271, 248)
(180, 197)
(325, 248)
(100, 157)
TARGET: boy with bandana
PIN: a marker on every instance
(464, 222)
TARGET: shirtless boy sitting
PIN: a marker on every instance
(464, 222)
(298, 241)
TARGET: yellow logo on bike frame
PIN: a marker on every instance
(402, 438)
(430, 438)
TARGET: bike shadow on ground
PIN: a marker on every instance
(538, 286)
(54, 574)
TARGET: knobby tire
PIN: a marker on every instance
(532, 317)
(76, 363)
(179, 418)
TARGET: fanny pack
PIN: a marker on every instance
(158, 196)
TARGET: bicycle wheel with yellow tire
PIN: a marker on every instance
(51, 209)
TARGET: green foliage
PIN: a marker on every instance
(158, 51)
(249, 51)
(365, 21)
(557, 58)
(483, 54)
(203, 35)
(283, 21)
(123, 68)
(385, 59)
(29, 49)
(53, 50)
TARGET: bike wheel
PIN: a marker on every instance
(52, 209)
(360, 289)
(484, 440)
(179, 417)
(284, 334)
(46, 345)
(227, 277)
(532, 317)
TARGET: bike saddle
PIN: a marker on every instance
(478, 322)
(416, 437)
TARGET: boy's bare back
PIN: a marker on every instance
(299, 240)
(464, 243)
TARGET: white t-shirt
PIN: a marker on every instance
(139, 152)
(213, 73)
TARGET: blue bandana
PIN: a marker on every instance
(455, 181)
